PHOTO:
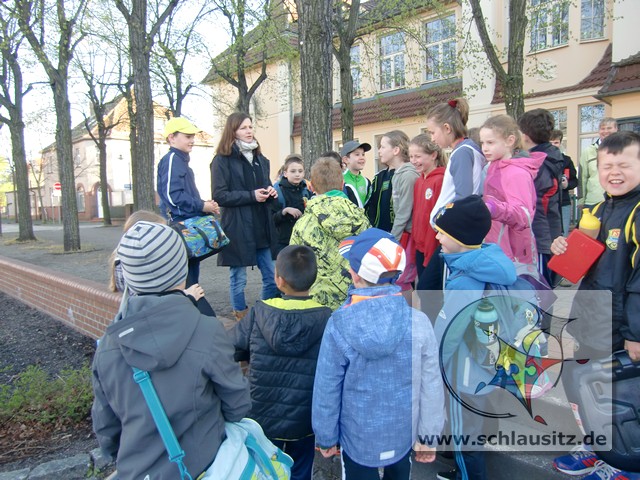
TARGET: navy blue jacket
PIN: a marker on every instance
(176, 185)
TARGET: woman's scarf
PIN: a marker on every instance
(247, 149)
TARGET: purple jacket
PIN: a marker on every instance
(510, 194)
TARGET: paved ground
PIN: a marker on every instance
(97, 243)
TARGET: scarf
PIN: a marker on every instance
(247, 149)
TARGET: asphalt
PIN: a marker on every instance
(91, 263)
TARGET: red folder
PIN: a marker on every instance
(582, 252)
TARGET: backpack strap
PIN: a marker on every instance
(171, 444)
(631, 234)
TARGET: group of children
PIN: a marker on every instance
(341, 360)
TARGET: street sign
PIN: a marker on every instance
(57, 186)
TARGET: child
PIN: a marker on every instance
(616, 271)
(283, 338)
(329, 218)
(356, 186)
(293, 193)
(509, 192)
(380, 208)
(462, 226)
(447, 126)
(377, 388)
(569, 181)
(427, 158)
(536, 126)
(176, 185)
(189, 358)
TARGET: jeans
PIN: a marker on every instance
(566, 219)
(303, 452)
(401, 470)
(238, 280)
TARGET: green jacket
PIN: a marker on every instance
(327, 220)
(591, 192)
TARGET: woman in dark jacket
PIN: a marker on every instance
(242, 187)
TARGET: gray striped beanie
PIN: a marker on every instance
(153, 258)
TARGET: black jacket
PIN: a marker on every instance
(247, 222)
(547, 224)
(618, 271)
(380, 207)
(283, 336)
(289, 195)
(572, 179)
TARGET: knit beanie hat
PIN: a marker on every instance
(467, 221)
(153, 258)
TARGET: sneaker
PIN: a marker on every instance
(578, 462)
(604, 471)
(450, 475)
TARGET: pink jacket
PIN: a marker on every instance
(510, 194)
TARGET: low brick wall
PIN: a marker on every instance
(84, 305)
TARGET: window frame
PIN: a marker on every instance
(588, 136)
(590, 21)
(549, 20)
(357, 69)
(393, 57)
(442, 73)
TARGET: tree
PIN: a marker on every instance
(314, 26)
(511, 80)
(11, 99)
(345, 21)
(140, 45)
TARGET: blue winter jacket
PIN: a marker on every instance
(176, 187)
(378, 384)
(469, 272)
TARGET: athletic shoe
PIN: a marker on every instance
(450, 475)
(578, 462)
(604, 471)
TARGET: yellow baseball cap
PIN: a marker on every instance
(180, 124)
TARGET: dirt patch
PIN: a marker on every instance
(29, 337)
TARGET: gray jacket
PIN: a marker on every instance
(190, 359)
(403, 181)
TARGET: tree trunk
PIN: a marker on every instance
(143, 160)
(315, 68)
(346, 96)
(514, 85)
(104, 184)
(64, 152)
(23, 200)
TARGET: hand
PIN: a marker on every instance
(424, 453)
(559, 246)
(294, 212)
(211, 206)
(329, 452)
(196, 291)
(261, 194)
(633, 348)
(565, 182)
(272, 192)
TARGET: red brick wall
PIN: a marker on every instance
(84, 305)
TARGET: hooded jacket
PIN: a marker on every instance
(509, 188)
(247, 222)
(289, 195)
(591, 192)
(283, 337)
(378, 384)
(327, 220)
(547, 223)
(425, 194)
(190, 361)
(176, 186)
(402, 196)
(469, 273)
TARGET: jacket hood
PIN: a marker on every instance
(554, 159)
(369, 320)
(155, 330)
(288, 332)
(487, 264)
(436, 172)
(337, 215)
(406, 168)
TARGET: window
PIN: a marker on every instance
(441, 48)
(590, 116)
(549, 24)
(356, 74)
(80, 199)
(591, 19)
(560, 117)
(392, 49)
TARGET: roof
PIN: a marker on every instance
(392, 106)
(624, 77)
(596, 78)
